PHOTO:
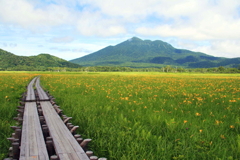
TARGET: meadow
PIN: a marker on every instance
(13, 85)
(144, 116)
(153, 116)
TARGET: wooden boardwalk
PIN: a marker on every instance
(44, 135)
(32, 140)
(65, 144)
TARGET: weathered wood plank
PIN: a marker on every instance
(55, 128)
(24, 139)
(31, 132)
(42, 95)
(33, 146)
(65, 144)
(32, 141)
(41, 146)
(30, 90)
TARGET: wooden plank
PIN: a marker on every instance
(42, 154)
(31, 132)
(65, 145)
(56, 129)
(24, 140)
(73, 144)
(72, 156)
(42, 95)
(30, 91)
(69, 138)
(41, 147)
(63, 130)
(63, 156)
(48, 114)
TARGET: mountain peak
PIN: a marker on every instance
(135, 39)
(136, 52)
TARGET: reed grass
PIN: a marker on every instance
(153, 116)
(13, 85)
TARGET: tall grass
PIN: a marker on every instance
(13, 85)
(153, 116)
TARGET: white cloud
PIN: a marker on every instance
(24, 13)
(95, 24)
(218, 48)
(111, 17)
(67, 21)
(121, 8)
(172, 31)
(197, 21)
(222, 48)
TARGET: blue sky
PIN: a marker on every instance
(70, 29)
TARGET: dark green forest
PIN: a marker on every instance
(41, 62)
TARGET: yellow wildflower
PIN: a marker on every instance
(222, 136)
(217, 122)
(198, 114)
(232, 126)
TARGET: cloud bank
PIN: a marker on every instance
(209, 26)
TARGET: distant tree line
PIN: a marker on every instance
(167, 69)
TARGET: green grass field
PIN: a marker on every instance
(13, 85)
(144, 115)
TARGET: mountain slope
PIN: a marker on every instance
(9, 60)
(145, 53)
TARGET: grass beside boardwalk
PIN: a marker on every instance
(153, 115)
(139, 115)
(12, 87)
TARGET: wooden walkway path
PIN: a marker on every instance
(44, 134)
(32, 141)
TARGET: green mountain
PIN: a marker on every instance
(135, 52)
(11, 61)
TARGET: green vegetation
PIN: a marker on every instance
(42, 62)
(140, 115)
(131, 55)
(137, 53)
(168, 69)
(151, 115)
(12, 87)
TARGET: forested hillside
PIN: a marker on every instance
(139, 53)
(40, 62)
